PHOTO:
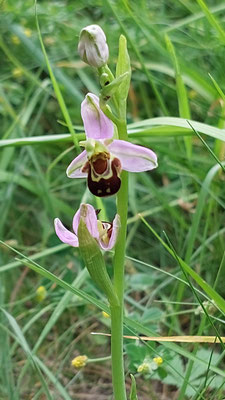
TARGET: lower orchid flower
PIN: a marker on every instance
(104, 158)
(104, 232)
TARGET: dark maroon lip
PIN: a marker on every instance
(100, 167)
(104, 187)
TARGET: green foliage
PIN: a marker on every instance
(94, 262)
(133, 392)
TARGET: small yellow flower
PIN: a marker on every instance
(143, 368)
(79, 361)
(15, 39)
(105, 315)
(158, 360)
(28, 32)
(192, 94)
(17, 72)
(41, 293)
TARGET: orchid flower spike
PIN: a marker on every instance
(92, 46)
(104, 158)
(104, 232)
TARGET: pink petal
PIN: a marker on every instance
(114, 235)
(64, 234)
(96, 124)
(75, 167)
(133, 158)
(90, 220)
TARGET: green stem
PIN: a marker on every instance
(117, 311)
(118, 380)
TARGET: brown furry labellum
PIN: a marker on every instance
(103, 174)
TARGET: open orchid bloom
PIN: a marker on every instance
(104, 158)
(104, 232)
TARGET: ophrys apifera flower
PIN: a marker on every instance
(105, 233)
(104, 158)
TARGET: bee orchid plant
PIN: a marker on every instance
(107, 158)
(104, 157)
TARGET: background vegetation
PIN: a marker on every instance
(174, 46)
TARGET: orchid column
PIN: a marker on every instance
(105, 161)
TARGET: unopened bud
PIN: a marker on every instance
(79, 362)
(41, 293)
(92, 46)
(143, 368)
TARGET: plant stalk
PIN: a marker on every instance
(117, 311)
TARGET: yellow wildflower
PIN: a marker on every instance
(28, 32)
(79, 361)
(158, 360)
(15, 39)
(143, 368)
(17, 72)
(192, 94)
(105, 315)
(41, 293)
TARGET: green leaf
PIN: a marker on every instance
(184, 110)
(122, 68)
(162, 373)
(133, 392)
(141, 281)
(135, 352)
(212, 20)
(114, 86)
(152, 314)
(182, 123)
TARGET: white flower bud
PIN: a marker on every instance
(92, 46)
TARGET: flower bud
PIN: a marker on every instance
(92, 46)
(143, 368)
(41, 293)
(79, 361)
